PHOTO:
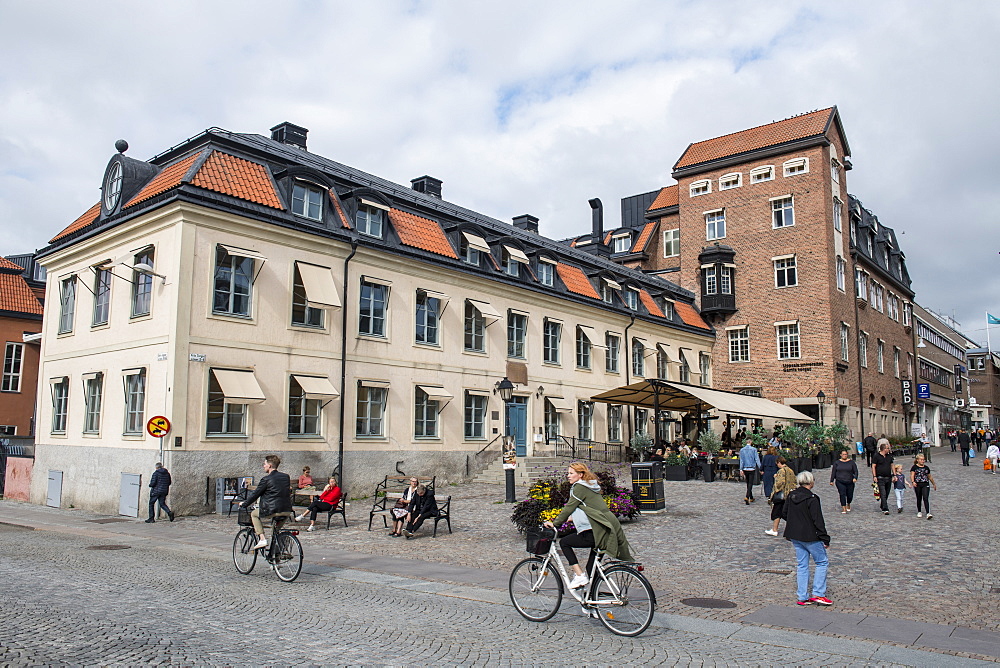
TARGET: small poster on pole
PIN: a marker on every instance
(509, 453)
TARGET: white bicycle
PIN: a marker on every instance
(618, 594)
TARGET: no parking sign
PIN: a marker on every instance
(158, 426)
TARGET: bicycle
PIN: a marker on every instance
(618, 594)
(284, 553)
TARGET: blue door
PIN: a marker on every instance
(517, 424)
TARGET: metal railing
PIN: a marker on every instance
(593, 451)
(474, 464)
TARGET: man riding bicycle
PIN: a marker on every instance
(275, 494)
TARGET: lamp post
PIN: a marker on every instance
(505, 389)
(821, 399)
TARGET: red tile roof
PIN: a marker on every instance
(6, 264)
(798, 127)
(607, 238)
(421, 233)
(340, 211)
(668, 196)
(650, 304)
(170, 177)
(640, 244)
(576, 281)
(689, 315)
(89, 216)
(227, 174)
(15, 295)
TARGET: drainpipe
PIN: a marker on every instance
(343, 363)
(628, 380)
(857, 338)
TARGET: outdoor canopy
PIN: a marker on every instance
(666, 395)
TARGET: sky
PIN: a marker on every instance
(523, 107)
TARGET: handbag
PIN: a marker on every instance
(778, 496)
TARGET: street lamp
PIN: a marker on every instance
(505, 389)
(821, 399)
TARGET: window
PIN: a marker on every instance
(863, 349)
(102, 296)
(92, 391)
(552, 421)
(715, 225)
(471, 246)
(233, 280)
(369, 220)
(371, 411)
(838, 213)
(907, 310)
(8, 430)
(782, 212)
(711, 281)
(631, 298)
(784, 272)
(623, 243)
(372, 309)
(611, 355)
(854, 232)
(142, 284)
(671, 243)
(223, 418)
(759, 174)
(878, 296)
(13, 363)
(909, 365)
(511, 267)
(607, 293)
(67, 304)
(545, 273)
(425, 415)
(841, 274)
(739, 344)
(60, 404)
(861, 283)
(788, 341)
(685, 372)
(835, 170)
(705, 366)
(517, 326)
(641, 420)
(727, 181)
(892, 307)
(870, 240)
(427, 317)
(702, 187)
(307, 201)
(585, 426)
(796, 166)
(725, 280)
(638, 358)
(470, 255)
(475, 416)
(668, 309)
(895, 361)
(303, 413)
(845, 342)
(880, 355)
(475, 329)
(583, 350)
(552, 331)
(662, 365)
(302, 313)
(614, 423)
(135, 401)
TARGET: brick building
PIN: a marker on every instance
(943, 390)
(984, 387)
(20, 325)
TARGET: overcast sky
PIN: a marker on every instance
(523, 107)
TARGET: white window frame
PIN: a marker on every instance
(622, 243)
(762, 173)
(378, 317)
(584, 350)
(102, 296)
(303, 203)
(551, 339)
(711, 280)
(838, 213)
(789, 340)
(739, 344)
(880, 355)
(845, 342)
(782, 211)
(93, 394)
(369, 219)
(730, 181)
(426, 415)
(60, 405)
(785, 269)
(142, 284)
(704, 368)
(474, 329)
(612, 356)
(13, 367)
(370, 411)
(841, 274)
(861, 283)
(517, 336)
(67, 304)
(631, 296)
(307, 410)
(614, 423)
(135, 401)
(308, 316)
(835, 170)
(234, 264)
(546, 273)
(474, 416)
(638, 358)
(863, 349)
(585, 420)
(795, 167)
(700, 187)
(672, 242)
(713, 221)
(426, 319)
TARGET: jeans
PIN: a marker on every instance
(317, 507)
(162, 499)
(923, 492)
(768, 482)
(965, 457)
(899, 496)
(749, 475)
(846, 490)
(817, 551)
(585, 539)
(884, 485)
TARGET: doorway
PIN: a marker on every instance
(517, 424)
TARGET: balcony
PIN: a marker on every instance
(718, 304)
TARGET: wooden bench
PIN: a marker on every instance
(320, 485)
(391, 489)
(444, 513)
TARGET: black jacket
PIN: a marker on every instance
(274, 492)
(869, 443)
(421, 505)
(159, 482)
(843, 471)
(964, 442)
(804, 517)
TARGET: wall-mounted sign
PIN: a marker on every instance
(923, 391)
(907, 390)
(196, 357)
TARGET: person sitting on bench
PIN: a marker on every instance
(421, 507)
(327, 501)
(400, 513)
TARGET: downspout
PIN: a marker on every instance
(343, 363)
(628, 380)
(857, 335)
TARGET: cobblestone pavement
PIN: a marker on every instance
(146, 605)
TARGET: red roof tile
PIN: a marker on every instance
(650, 304)
(169, 177)
(229, 175)
(346, 224)
(607, 238)
(576, 281)
(89, 216)
(9, 266)
(421, 233)
(668, 196)
(689, 315)
(15, 295)
(640, 244)
(798, 127)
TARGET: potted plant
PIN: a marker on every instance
(675, 467)
(709, 441)
(640, 444)
(795, 436)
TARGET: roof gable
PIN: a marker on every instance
(668, 197)
(15, 295)
(229, 175)
(421, 233)
(576, 281)
(644, 237)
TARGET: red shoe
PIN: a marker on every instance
(821, 600)
(809, 602)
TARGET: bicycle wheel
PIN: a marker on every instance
(535, 591)
(287, 557)
(625, 600)
(244, 556)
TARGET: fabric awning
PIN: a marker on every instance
(438, 394)
(242, 252)
(560, 404)
(684, 356)
(94, 375)
(592, 336)
(662, 347)
(517, 254)
(317, 388)
(373, 204)
(490, 314)
(477, 242)
(321, 292)
(675, 396)
(613, 284)
(442, 298)
(374, 383)
(239, 387)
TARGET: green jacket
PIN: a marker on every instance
(608, 534)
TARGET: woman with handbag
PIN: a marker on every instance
(399, 511)
(844, 472)
(784, 482)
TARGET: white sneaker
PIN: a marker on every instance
(589, 612)
(311, 528)
(771, 532)
(578, 581)
(929, 516)
(299, 518)
(920, 514)
(261, 544)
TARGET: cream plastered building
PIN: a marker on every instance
(266, 300)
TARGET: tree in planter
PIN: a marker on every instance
(709, 441)
(796, 437)
(640, 443)
(837, 433)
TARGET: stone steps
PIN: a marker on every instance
(528, 470)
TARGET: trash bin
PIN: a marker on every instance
(707, 471)
(647, 484)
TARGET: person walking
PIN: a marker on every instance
(953, 439)
(882, 473)
(784, 482)
(899, 485)
(964, 444)
(749, 466)
(993, 454)
(844, 472)
(870, 448)
(921, 480)
(159, 487)
(769, 467)
(806, 529)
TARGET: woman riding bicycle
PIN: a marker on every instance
(596, 526)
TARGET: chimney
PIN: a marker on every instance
(597, 247)
(526, 222)
(289, 133)
(427, 185)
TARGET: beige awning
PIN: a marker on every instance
(239, 387)
(373, 204)
(321, 292)
(442, 298)
(317, 388)
(490, 314)
(373, 383)
(560, 404)
(242, 252)
(516, 254)
(611, 283)
(94, 375)
(592, 336)
(438, 394)
(684, 356)
(662, 347)
(547, 260)
(476, 242)
(674, 396)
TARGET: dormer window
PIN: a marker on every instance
(307, 200)
(702, 187)
(631, 298)
(728, 181)
(546, 269)
(759, 174)
(668, 309)
(513, 259)
(622, 242)
(113, 186)
(471, 246)
(370, 218)
(796, 166)
(608, 286)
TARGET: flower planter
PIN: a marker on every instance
(802, 464)
(675, 473)
(707, 473)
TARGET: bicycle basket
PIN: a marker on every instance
(539, 540)
(243, 517)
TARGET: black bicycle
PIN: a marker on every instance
(284, 553)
